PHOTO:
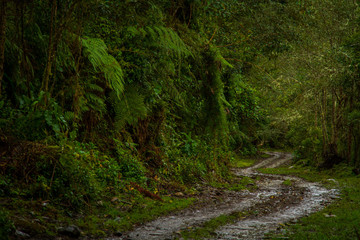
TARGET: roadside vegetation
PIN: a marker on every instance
(341, 219)
(110, 107)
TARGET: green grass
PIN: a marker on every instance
(284, 150)
(243, 163)
(112, 218)
(287, 182)
(96, 221)
(207, 230)
(237, 184)
(145, 211)
(344, 222)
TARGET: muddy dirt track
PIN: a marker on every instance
(273, 203)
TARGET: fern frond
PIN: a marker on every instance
(95, 102)
(13, 55)
(94, 87)
(179, 97)
(129, 109)
(97, 52)
(69, 116)
(163, 37)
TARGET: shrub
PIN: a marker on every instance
(6, 225)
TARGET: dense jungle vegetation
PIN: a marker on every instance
(105, 101)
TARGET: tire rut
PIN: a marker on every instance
(272, 203)
(311, 197)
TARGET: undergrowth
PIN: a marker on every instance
(101, 190)
(97, 220)
(242, 163)
(110, 218)
(6, 225)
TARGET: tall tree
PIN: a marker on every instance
(3, 5)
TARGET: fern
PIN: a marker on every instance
(95, 102)
(94, 98)
(96, 51)
(163, 37)
(218, 57)
(129, 109)
(13, 55)
(174, 95)
(69, 116)
(94, 87)
(168, 39)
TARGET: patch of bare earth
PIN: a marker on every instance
(271, 204)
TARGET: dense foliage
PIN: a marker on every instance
(312, 86)
(98, 94)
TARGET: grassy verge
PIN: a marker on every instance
(207, 230)
(40, 219)
(237, 184)
(340, 220)
(283, 150)
(112, 219)
(243, 163)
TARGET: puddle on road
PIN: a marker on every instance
(255, 228)
(278, 204)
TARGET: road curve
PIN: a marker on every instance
(273, 203)
(314, 197)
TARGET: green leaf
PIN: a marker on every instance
(97, 52)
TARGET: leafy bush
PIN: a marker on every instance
(6, 226)
(31, 121)
(4, 186)
(129, 165)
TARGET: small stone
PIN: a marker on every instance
(21, 234)
(71, 231)
(332, 180)
(179, 194)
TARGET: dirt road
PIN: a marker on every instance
(273, 203)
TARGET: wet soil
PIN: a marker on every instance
(273, 203)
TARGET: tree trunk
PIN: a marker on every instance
(334, 129)
(323, 121)
(24, 61)
(50, 51)
(349, 144)
(350, 127)
(2, 39)
(56, 30)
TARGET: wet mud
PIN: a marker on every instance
(273, 203)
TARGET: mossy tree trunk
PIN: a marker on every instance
(3, 4)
